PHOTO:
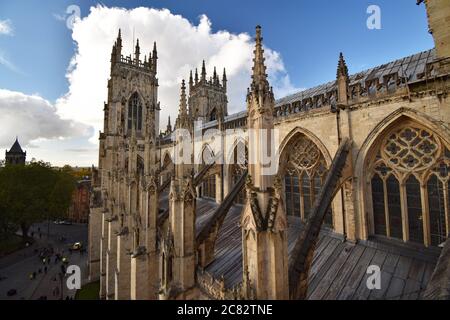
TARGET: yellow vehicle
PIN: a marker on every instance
(77, 246)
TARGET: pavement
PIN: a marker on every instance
(15, 268)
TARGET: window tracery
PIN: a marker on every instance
(305, 173)
(410, 186)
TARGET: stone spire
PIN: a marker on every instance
(116, 53)
(342, 81)
(260, 92)
(342, 69)
(191, 81)
(196, 76)
(119, 40)
(224, 79)
(119, 46)
(154, 58)
(203, 71)
(259, 76)
(169, 126)
(183, 120)
(137, 52)
(215, 78)
(183, 101)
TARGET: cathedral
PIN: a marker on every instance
(358, 180)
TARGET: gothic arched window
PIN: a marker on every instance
(305, 172)
(135, 112)
(410, 186)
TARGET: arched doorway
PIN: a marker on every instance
(408, 177)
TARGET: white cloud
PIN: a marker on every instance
(33, 118)
(181, 47)
(6, 27)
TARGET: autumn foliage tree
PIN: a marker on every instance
(33, 193)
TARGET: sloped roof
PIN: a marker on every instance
(410, 68)
(16, 148)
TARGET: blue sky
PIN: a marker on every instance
(307, 35)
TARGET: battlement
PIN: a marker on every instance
(214, 83)
(149, 65)
(129, 61)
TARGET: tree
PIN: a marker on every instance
(77, 173)
(61, 195)
(33, 193)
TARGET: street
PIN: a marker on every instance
(16, 268)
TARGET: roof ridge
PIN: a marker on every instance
(355, 75)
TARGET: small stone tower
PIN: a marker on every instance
(342, 81)
(438, 12)
(15, 155)
(208, 97)
(182, 206)
(263, 221)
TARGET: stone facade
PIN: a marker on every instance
(79, 209)
(395, 119)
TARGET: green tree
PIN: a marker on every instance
(33, 193)
(61, 195)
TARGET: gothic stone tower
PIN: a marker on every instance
(127, 168)
(438, 12)
(263, 222)
(15, 155)
(208, 98)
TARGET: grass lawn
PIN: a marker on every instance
(89, 291)
(11, 244)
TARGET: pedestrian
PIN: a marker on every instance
(34, 274)
(45, 269)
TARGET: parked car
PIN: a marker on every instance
(66, 223)
(76, 246)
(11, 292)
